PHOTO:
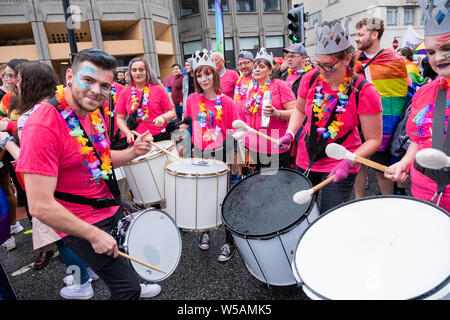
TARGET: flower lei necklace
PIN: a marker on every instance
(113, 94)
(444, 83)
(256, 98)
(142, 112)
(241, 90)
(98, 170)
(322, 108)
(202, 117)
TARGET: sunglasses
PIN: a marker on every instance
(324, 67)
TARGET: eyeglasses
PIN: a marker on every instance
(241, 63)
(326, 68)
(9, 76)
(292, 56)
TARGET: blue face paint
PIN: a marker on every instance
(82, 72)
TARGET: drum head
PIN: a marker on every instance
(390, 248)
(261, 204)
(166, 144)
(153, 238)
(197, 166)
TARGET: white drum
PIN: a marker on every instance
(385, 247)
(145, 174)
(194, 190)
(151, 236)
(122, 181)
(266, 224)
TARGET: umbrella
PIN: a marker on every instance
(420, 49)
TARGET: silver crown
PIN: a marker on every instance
(436, 21)
(263, 54)
(203, 58)
(340, 37)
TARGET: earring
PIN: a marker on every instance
(69, 84)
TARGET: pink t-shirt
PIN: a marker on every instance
(419, 129)
(240, 94)
(48, 149)
(281, 94)
(229, 114)
(228, 81)
(291, 78)
(158, 103)
(369, 103)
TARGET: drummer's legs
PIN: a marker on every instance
(334, 194)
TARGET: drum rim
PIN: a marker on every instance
(430, 292)
(165, 276)
(176, 173)
(272, 234)
(134, 161)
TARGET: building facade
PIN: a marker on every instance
(36, 30)
(398, 15)
(248, 25)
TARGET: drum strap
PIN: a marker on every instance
(441, 176)
(111, 183)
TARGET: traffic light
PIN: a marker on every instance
(296, 25)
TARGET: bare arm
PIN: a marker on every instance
(372, 129)
(298, 116)
(123, 127)
(400, 170)
(141, 146)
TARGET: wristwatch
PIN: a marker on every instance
(5, 140)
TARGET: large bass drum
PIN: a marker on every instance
(385, 247)
(266, 223)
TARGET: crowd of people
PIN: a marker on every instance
(59, 144)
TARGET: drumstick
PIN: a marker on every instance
(432, 158)
(304, 196)
(336, 151)
(140, 262)
(239, 124)
(159, 147)
(148, 121)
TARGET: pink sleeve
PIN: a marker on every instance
(121, 106)
(187, 112)
(369, 100)
(286, 93)
(165, 103)
(303, 88)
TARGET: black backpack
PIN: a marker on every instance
(400, 140)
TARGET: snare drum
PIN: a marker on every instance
(151, 236)
(194, 190)
(266, 223)
(385, 247)
(145, 174)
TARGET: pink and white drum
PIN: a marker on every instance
(145, 174)
(122, 181)
(386, 247)
(194, 190)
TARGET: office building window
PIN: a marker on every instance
(189, 7)
(189, 48)
(228, 44)
(245, 5)
(275, 42)
(315, 18)
(272, 5)
(391, 16)
(212, 4)
(408, 17)
(249, 44)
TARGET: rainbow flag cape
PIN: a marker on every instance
(389, 76)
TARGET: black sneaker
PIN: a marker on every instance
(204, 241)
(226, 252)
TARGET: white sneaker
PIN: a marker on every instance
(92, 275)
(78, 292)
(16, 228)
(10, 244)
(69, 280)
(150, 290)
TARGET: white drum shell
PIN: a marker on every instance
(382, 254)
(153, 237)
(122, 181)
(194, 201)
(269, 260)
(145, 176)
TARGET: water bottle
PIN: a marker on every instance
(267, 100)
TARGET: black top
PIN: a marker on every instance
(262, 204)
(2, 94)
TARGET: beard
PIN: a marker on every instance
(364, 45)
(87, 103)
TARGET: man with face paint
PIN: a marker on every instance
(427, 124)
(67, 166)
(387, 71)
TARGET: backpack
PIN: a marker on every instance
(400, 140)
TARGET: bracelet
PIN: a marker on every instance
(279, 114)
(164, 117)
(5, 140)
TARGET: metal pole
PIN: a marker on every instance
(69, 27)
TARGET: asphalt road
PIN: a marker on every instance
(198, 276)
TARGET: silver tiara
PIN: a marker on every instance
(436, 17)
(263, 54)
(340, 37)
(203, 58)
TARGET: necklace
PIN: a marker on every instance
(323, 106)
(142, 111)
(214, 122)
(241, 90)
(256, 97)
(98, 169)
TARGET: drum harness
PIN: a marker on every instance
(440, 176)
(111, 183)
(315, 145)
